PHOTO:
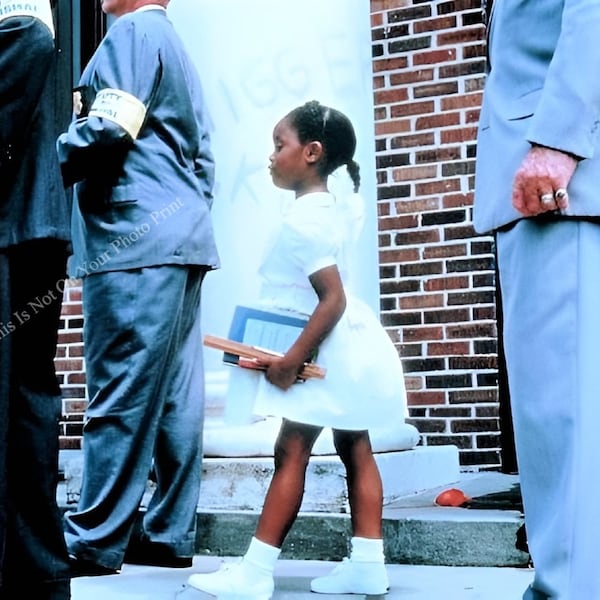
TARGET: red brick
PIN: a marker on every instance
(434, 57)
(406, 77)
(457, 200)
(448, 348)
(413, 383)
(416, 206)
(379, 83)
(479, 330)
(422, 334)
(438, 121)
(74, 406)
(434, 24)
(463, 35)
(66, 365)
(474, 85)
(425, 398)
(415, 173)
(69, 443)
(461, 101)
(412, 108)
(484, 313)
(401, 222)
(417, 140)
(421, 301)
(71, 308)
(437, 187)
(68, 338)
(445, 251)
(398, 255)
(391, 127)
(399, 94)
(452, 136)
(446, 283)
(387, 5)
(389, 64)
(472, 116)
(473, 51)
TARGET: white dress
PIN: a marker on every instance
(364, 383)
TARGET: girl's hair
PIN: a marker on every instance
(315, 122)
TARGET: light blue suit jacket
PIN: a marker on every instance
(142, 202)
(542, 88)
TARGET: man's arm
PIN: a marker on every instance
(564, 128)
(127, 69)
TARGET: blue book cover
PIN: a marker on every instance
(271, 331)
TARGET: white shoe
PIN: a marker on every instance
(239, 581)
(351, 577)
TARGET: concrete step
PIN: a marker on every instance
(416, 530)
(240, 483)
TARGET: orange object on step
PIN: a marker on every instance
(451, 497)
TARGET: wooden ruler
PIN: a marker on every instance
(246, 351)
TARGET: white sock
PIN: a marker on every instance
(367, 550)
(261, 555)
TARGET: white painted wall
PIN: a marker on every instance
(258, 60)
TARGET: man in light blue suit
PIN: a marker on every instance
(143, 240)
(538, 189)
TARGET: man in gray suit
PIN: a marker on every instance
(143, 241)
(34, 235)
(538, 189)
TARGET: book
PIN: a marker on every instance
(255, 333)
(250, 353)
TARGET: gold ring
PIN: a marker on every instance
(547, 198)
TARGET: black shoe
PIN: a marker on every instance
(155, 554)
(81, 567)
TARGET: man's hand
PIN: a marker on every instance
(541, 182)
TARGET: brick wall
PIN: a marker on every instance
(70, 366)
(437, 280)
(437, 284)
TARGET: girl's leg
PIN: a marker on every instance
(364, 572)
(365, 489)
(284, 497)
(253, 576)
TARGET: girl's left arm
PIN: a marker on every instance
(327, 284)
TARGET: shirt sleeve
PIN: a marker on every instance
(568, 114)
(310, 247)
(120, 81)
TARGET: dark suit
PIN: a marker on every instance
(542, 88)
(33, 237)
(143, 239)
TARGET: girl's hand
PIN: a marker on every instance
(281, 372)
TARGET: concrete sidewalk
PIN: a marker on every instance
(433, 552)
(292, 582)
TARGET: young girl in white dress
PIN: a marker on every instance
(304, 273)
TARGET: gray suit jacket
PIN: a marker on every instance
(542, 86)
(33, 204)
(144, 201)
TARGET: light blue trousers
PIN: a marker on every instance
(143, 352)
(550, 281)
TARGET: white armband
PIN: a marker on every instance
(33, 8)
(121, 108)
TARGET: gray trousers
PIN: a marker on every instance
(143, 352)
(550, 281)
